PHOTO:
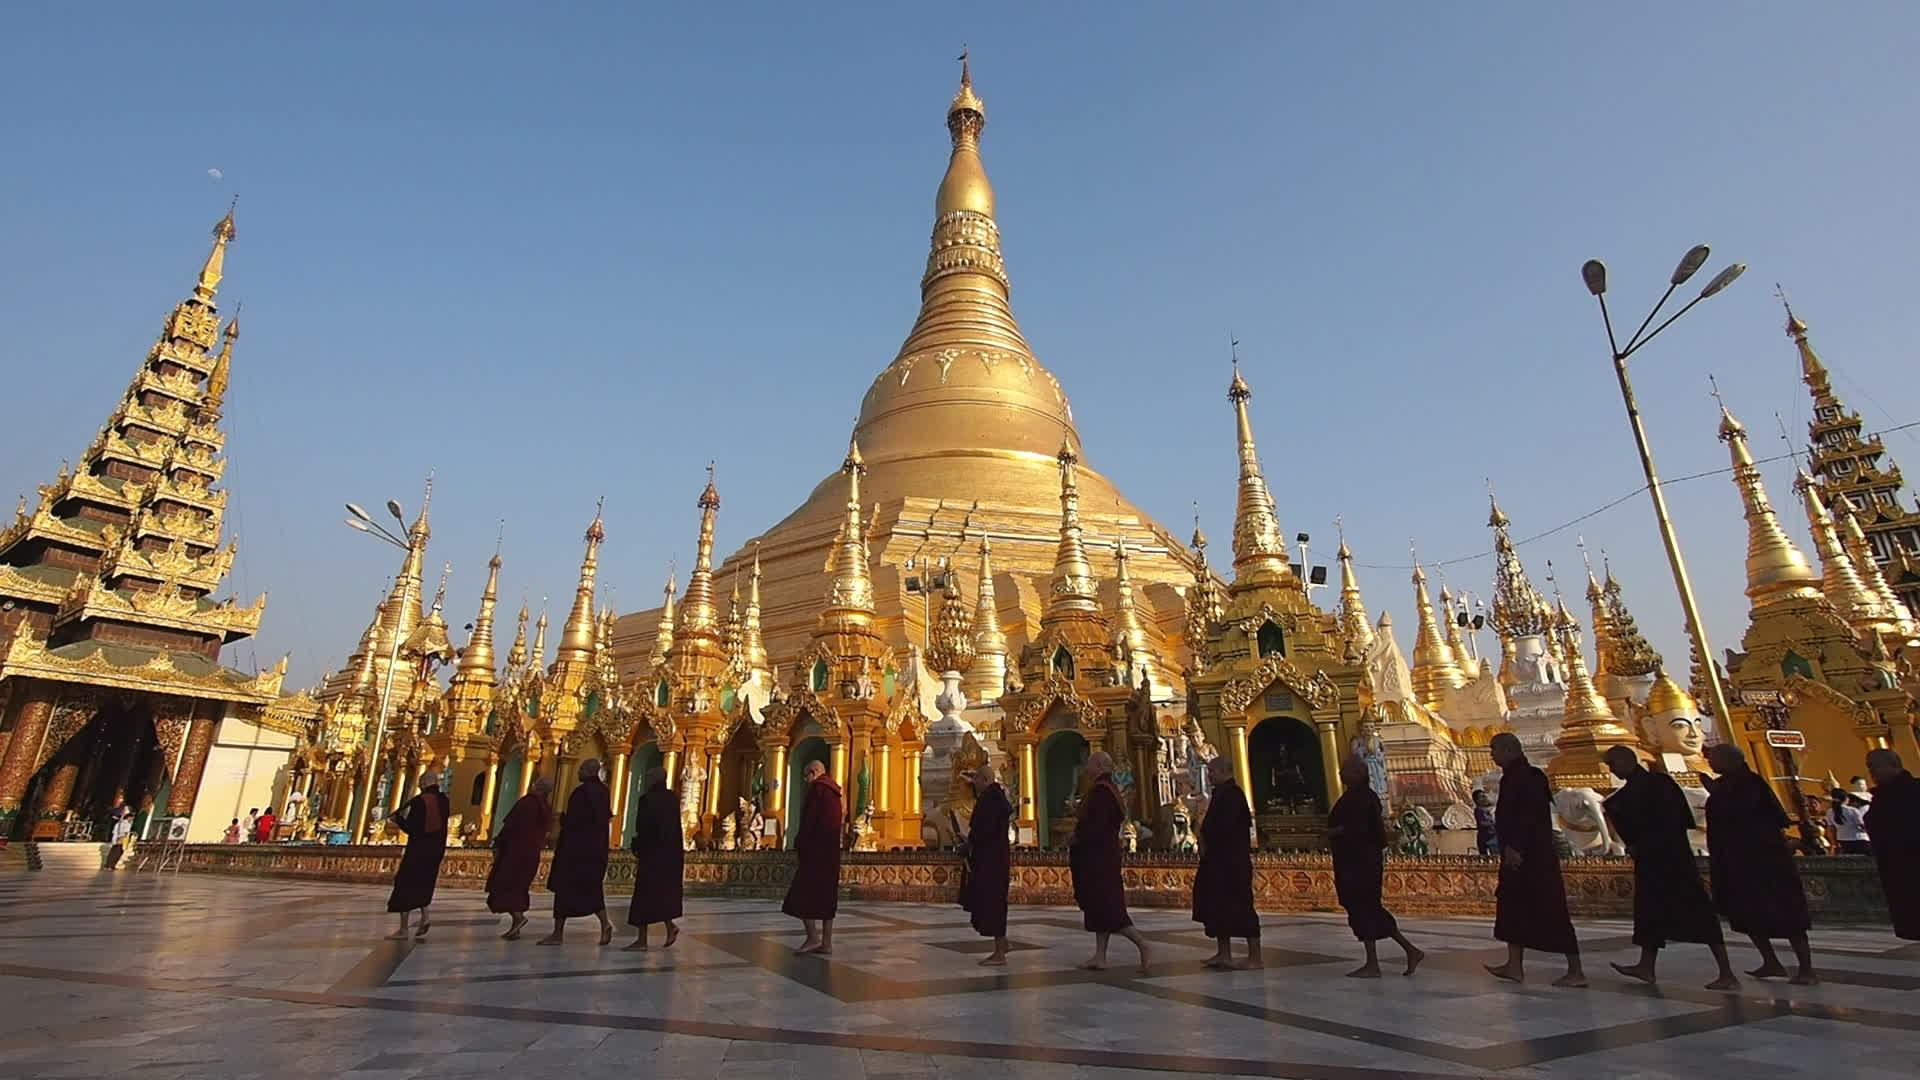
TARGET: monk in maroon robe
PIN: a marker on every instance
(659, 862)
(1893, 821)
(1223, 883)
(1357, 837)
(1530, 903)
(989, 855)
(516, 855)
(1652, 817)
(424, 820)
(814, 896)
(1755, 884)
(1094, 860)
(578, 876)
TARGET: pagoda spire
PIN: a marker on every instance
(698, 617)
(1602, 616)
(1840, 580)
(1633, 655)
(1518, 608)
(1588, 727)
(1434, 669)
(850, 592)
(1355, 625)
(1073, 587)
(214, 402)
(476, 663)
(1855, 539)
(577, 633)
(406, 603)
(732, 631)
(517, 652)
(1144, 656)
(663, 636)
(1205, 607)
(1259, 550)
(1776, 570)
(987, 677)
(540, 638)
(753, 646)
(216, 264)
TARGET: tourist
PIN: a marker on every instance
(1223, 883)
(121, 838)
(253, 826)
(1094, 861)
(1755, 884)
(263, 828)
(1850, 823)
(516, 856)
(1651, 815)
(1895, 822)
(989, 856)
(578, 877)
(658, 862)
(814, 896)
(232, 835)
(424, 820)
(1357, 836)
(1486, 837)
(1530, 902)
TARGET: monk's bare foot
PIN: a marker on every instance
(1095, 964)
(606, 934)
(1724, 982)
(1634, 971)
(1251, 963)
(551, 939)
(511, 935)
(1365, 971)
(1505, 973)
(399, 935)
(996, 960)
(1804, 978)
(421, 934)
(673, 935)
(1220, 963)
(1414, 956)
(1768, 971)
(637, 946)
(1571, 981)
(823, 950)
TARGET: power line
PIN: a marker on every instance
(1564, 526)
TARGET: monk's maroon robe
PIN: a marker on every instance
(1651, 814)
(1893, 825)
(989, 863)
(578, 876)
(516, 855)
(1357, 839)
(1530, 900)
(424, 820)
(1094, 860)
(1755, 884)
(659, 857)
(815, 892)
(1223, 883)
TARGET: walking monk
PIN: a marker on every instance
(1094, 860)
(1223, 883)
(516, 856)
(578, 877)
(814, 896)
(424, 819)
(1893, 821)
(1357, 835)
(989, 855)
(1651, 815)
(1530, 901)
(1755, 884)
(658, 862)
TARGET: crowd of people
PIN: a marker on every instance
(1755, 884)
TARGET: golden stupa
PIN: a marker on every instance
(961, 433)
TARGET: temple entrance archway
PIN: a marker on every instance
(115, 753)
(733, 776)
(1283, 756)
(810, 748)
(646, 757)
(1063, 759)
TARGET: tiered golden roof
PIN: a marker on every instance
(1840, 582)
(1259, 549)
(1588, 727)
(1435, 670)
(1776, 570)
(987, 677)
(1355, 625)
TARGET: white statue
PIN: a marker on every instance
(1585, 819)
(1367, 746)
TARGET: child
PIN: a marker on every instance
(233, 833)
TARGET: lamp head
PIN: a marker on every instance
(393, 507)
(357, 512)
(1594, 273)
(355, 523)
(1690, 264)
(1723, 279)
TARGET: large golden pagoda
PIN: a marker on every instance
(964, 424)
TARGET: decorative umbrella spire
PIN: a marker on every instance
(1776, 570)
(1259, 550)
(1073, 587)
(987, 677)
(577, 634)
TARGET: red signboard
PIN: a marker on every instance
(1787, 740)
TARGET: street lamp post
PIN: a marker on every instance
(1594, 273)
(365, 523)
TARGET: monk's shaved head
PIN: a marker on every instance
(984, 777)
(1884, 764)
(541, 786)
(814, 770)
(656, 775)
(1099, 764)
(1219, 769)
(1505, 747)
(1726, 757)
(590, 769)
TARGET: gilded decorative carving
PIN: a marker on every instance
(784, 716)
(71, 712)
(28, 656)
(1046, 694)
(1318, 689)
(193, 762)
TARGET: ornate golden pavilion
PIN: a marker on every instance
(111, 684)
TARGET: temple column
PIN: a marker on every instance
(1026, 815)
(671, 762)
(527, 764)
(486, 794)
(839, 768)
(193, 762)
(59, 789)
(713, 785)
(619, 831)
(883, 790)
(910, 814)
(1329, 728)
(34, 713)
(1237, 747)
(777, 783)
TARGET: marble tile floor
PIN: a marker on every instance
(164, 976)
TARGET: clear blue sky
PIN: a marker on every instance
(560, 252)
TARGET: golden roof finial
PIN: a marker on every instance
(1868, 567)
(753, 645)
(1812, 371)
(215, 266)
(1259, 551)
(663, 636)
(987, 676)
(850, 592)
(216, 396)
(1588, 727)
(476, 660)
(698, 616)
(1126, 618)
(1073, 586)
(1776, 570)
(1435, 669)
(577, 634)
(1631, 653)
(517, 653)
(1840, 580)
(540, 636)
(1355, 625)
(404, 603)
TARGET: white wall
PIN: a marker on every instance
(245, 767)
